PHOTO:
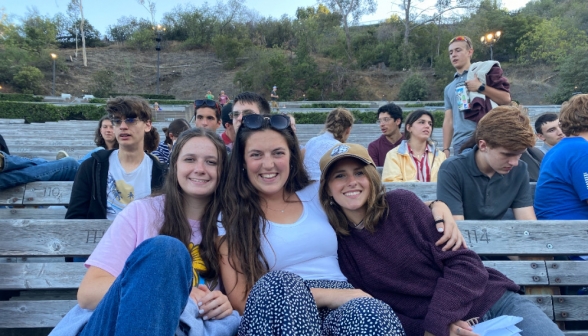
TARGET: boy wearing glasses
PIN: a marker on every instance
(111, 179)
(246, 103)
(389, 119)
(207, 114)
(457, 129)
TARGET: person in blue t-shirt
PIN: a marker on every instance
(562, 188)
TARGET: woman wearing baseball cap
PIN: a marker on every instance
(387, 247)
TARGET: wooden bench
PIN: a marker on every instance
(58, 193)
(62, 238)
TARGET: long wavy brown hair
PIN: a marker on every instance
(243, 217)
(377, 207)
(175, 222)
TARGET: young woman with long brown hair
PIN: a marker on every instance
(278, 250)
(158, 260)
(387, 247)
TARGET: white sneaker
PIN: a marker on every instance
(61, 154)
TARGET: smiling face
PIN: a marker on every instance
(349, 186)
(197, 168)
(421, 129)
(267, 161)
(552, 133)
(206, 118)
(460, 55)
(107, 131)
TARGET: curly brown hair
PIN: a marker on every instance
(508, 127)
(573, 117)
(338, 122)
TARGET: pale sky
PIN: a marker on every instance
(102, 13)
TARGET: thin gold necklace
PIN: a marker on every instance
(282, 211)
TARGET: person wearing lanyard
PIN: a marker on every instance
(416, 159)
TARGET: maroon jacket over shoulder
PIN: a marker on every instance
(400, 265)
(479, 107)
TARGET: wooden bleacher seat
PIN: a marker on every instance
(63, 238)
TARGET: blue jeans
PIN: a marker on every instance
(87, 156)
(534, 323)
(149, 295)
(20, 170)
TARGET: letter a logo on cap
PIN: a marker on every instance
(339, 150)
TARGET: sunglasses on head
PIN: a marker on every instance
(256, 121)
(129, 121)
(462, 39)
(207, 102)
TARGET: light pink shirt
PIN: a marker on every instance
(137, 222)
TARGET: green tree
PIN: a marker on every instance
(36, 33)
(351, 11)
(28, 79)
(102, 83)
(573, 72)
(549, 42)
(228, 49)
(413, 88)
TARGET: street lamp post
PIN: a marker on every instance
(489, 40)
(54, 57)
(158, 30)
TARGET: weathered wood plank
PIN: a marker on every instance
(47, 193)
(524, 273)
(544, 302)
(32, 213)
(567, 273)
(21, 276)
(29, 237)
(426, 191)
(33, 314)
(570, 307)
(12, 196)
(576, 333)
(526, 237)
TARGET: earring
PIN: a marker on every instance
(331, 201)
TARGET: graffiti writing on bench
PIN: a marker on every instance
(51, 191)
(93, 236)
(475, 236)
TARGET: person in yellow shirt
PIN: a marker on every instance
(416, 159)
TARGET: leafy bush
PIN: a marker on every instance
(413, 88)
(102, 83)
(144, 95)
(20, 97)
(228, 49)
(28, 79)
(34, 112)
(360, 117)
(573, 72)
(334, 105)
(151, 101)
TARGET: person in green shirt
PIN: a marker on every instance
(209, 95)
